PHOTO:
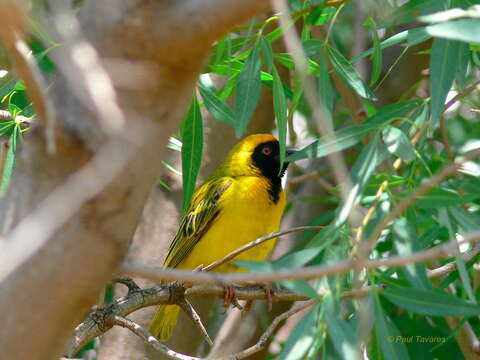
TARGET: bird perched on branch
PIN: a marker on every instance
(240, 202)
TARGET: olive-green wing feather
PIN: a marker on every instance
(201, 214)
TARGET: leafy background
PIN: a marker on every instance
(398, 81)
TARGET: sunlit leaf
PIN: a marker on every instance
(301, 338)
(443, 65)
(217, 107)
(398, 143)
(247, 92)
(462, 30)
(351, 135)
(349, 75)
(192, 146)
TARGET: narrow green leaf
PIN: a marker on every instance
(312, 47)
(443, 65)
(301, 338)
(342, 333)
(192, 146)
(463, 61)
(286, 60)
(431, 303)
(398, 143)
(406, 243)
(351, 135)
(388, 335)
(280, 108)
(267, 52)
(466, 220)
(349, 75)
(412, 37)
(247, 92)
(466, 30)
(325, 85)
(296, 259)
(442, 197)
(361, 172)
(217, 106)
(376, 59)
(445, 218)
(451, 14)
(300, 286)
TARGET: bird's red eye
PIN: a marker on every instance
(266, 151)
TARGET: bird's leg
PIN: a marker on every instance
(229, 297)
(270, 292)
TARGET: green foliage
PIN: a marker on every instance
(406, 130)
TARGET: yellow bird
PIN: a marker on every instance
(240, 202)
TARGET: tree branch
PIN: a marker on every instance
(100, 320)
(318, 271)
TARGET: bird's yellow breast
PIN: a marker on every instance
(247, 212)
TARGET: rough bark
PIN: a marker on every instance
(56, 281)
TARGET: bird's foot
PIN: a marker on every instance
(230, 298)
(269, 292)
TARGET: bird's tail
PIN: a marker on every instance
(164, 322)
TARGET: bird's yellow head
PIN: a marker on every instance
(255, 155)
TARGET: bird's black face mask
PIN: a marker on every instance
(266, 157)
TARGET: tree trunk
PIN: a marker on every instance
(76, 225)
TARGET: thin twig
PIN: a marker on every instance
(192, 314)
(256, 242)
(22, 120)
(145, 335)
(261, 343)
(324, 184)
(318, 271)
(461, 95)
(445, 139)
(452, 266)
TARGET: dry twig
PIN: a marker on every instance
(256, 242)
(157, 345)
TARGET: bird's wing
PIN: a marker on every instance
(200, 215)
